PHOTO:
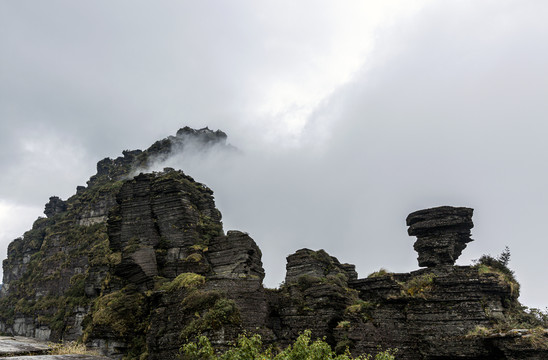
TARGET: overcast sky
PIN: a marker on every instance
(349, 115)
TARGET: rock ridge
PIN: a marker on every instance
(137, 263)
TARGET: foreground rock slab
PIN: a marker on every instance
(22, 348)
(57, 357)
(17, 345)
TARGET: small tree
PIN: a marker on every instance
(504, 257)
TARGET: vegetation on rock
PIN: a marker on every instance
(251, 348)
(498, 266)
(139, 266)
(418, 286)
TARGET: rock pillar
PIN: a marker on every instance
(442, 233)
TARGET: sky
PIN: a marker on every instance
(349, 115)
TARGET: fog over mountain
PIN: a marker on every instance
(347, 117)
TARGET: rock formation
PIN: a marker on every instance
(442, 234)
(137, 263)
(55, 206)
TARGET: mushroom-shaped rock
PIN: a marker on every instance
(442, 234)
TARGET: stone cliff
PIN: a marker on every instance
(135, 264)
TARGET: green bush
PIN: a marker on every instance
(251, 348)
(487, 264)
(418, 286)
(380, 273)
(186, 280)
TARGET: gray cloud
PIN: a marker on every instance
(448, 108)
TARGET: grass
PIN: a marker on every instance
(70, 348)
(536, 337)
(186, 280)
(381, 272)
(418, 286)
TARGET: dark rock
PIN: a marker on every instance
(442, 234)
(138, 265)
(314, 296)
(55, 206)
(235, 256)
(202, 135)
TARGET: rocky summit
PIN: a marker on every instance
(137, 263)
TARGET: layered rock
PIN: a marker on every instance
(55, 271)
(158, 224)
(442, 234)
(425, 314)
(137, 265)
(55, 206)
(435, 313)
(232, 298)
(313, 297)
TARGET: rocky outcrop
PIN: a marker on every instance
(442, 234)
(54, 273)
(55, 206)
(314, 296)
(435, 313)
(159, 224)
(135, 264)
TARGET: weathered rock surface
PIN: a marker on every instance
(136, 265)
(31, 349)
(55, 206)
(55, 271)
(17, 345)
(442, 234)
(58, 357)
(314, 296)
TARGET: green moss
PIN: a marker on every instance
(120, 311)
(223, 312)
(340, 280)
(207, 229)
(195, 257)
(324, 258)
(199, 247)
(362, 309)
(343, 345)
(380, 273)
(186, 280)
(133, 245)
(498, 266)
(503, 277)
(306, 281)
(200, 300)
(418, 286)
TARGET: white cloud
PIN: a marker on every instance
(14, 221)
(349, 114)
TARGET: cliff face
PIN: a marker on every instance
(138, 265)
(56, 270)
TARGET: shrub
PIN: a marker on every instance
(487, 264)
(119, 311)
(223, 312)
(69, 348)
(194, 257)
(251, 348)
(343, 324)
(306, 281)
(381, 272)
(538, 338)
